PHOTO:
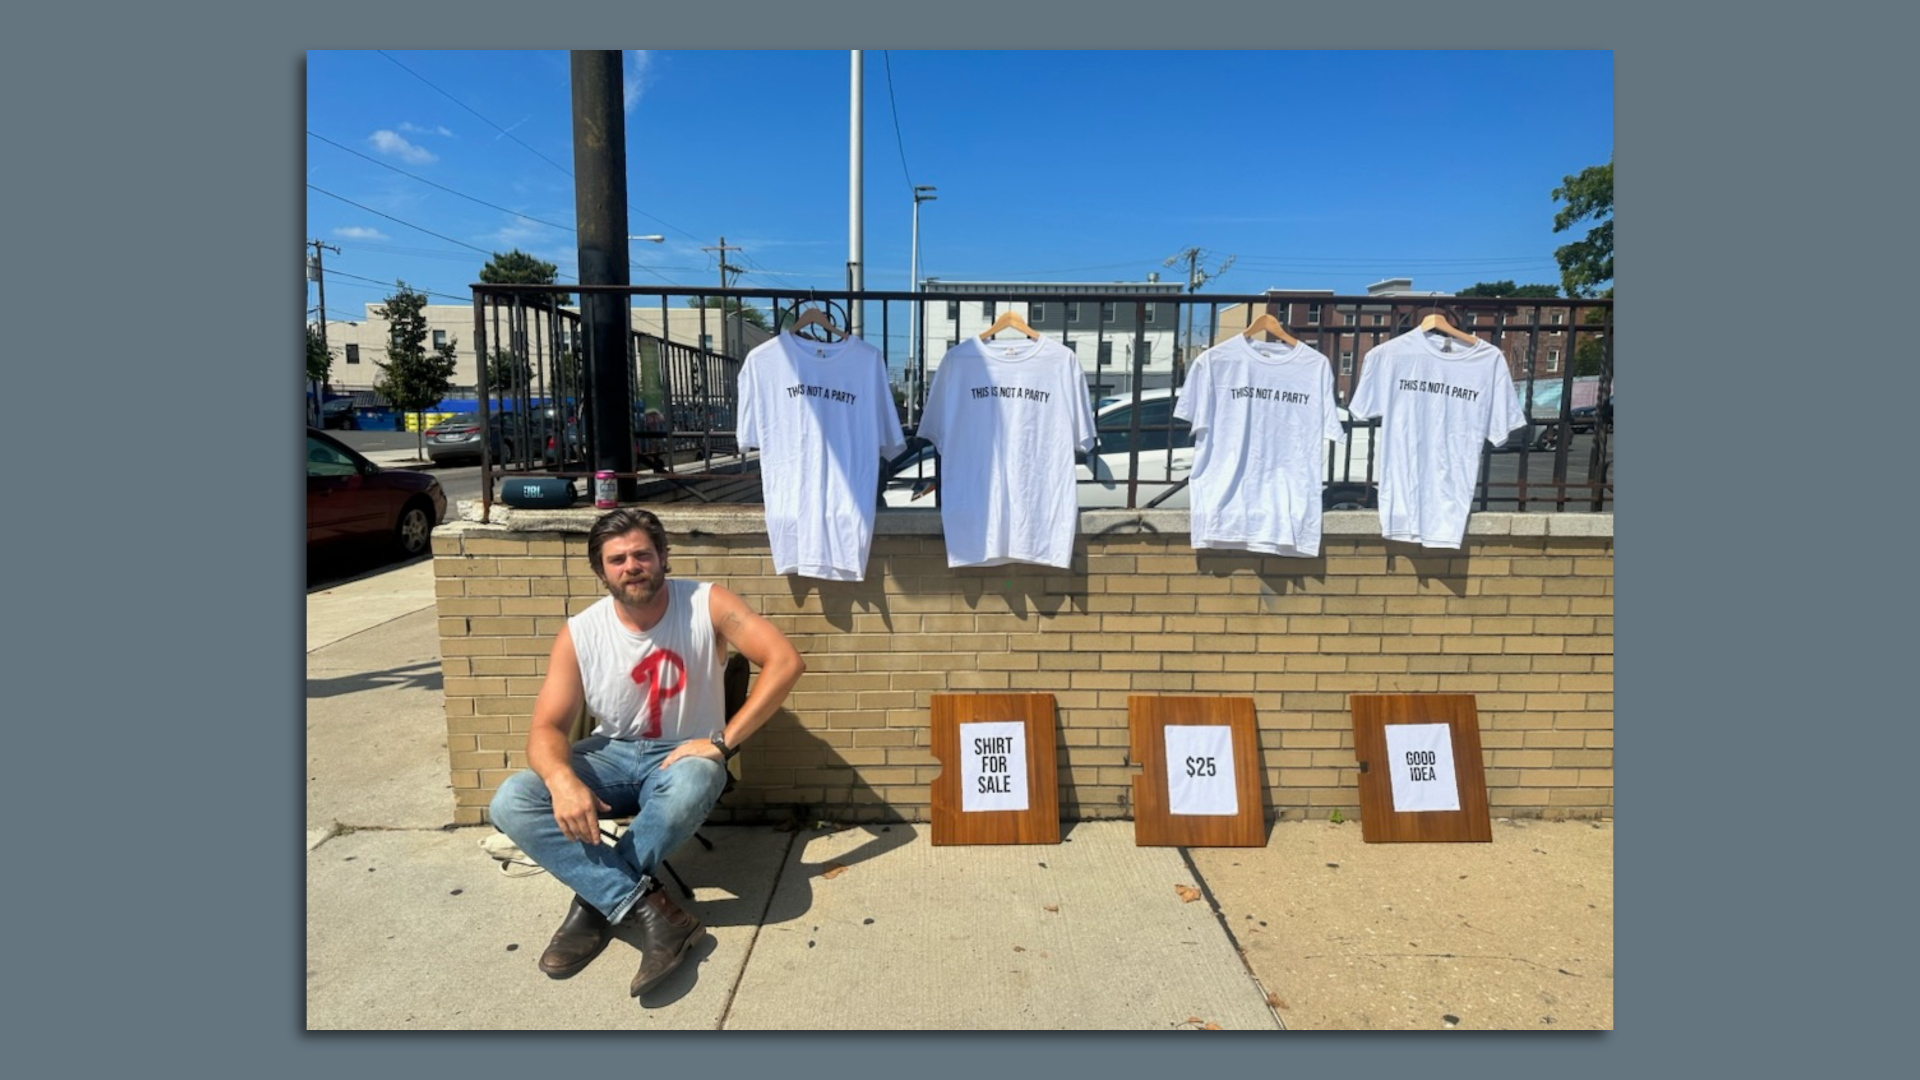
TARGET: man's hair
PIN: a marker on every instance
(619, 523)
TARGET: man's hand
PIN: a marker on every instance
(574, 810)
(694, 748)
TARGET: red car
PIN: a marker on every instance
(350, 499)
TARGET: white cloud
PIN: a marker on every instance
(638, 63)
(389, 143)
(359, 232)
(438, 129)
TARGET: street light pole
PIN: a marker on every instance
(921, 193)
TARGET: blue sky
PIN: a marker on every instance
(1316, 170)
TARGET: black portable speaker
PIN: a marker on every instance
(537, 493)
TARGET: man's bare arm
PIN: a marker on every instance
(762, 643)
(549, 750)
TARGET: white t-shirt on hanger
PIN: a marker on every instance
(1262, 414)
(1438, 399)
(1007, 418)
(822, 416)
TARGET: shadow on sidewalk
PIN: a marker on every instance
(426, 675)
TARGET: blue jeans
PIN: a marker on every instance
(666, 806)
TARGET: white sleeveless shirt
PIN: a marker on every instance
(665, 684)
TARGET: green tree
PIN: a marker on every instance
(1508, 288)
(319, 361)
(1586, 264)
(1590, 356)
(412, 378)
(516, 267)
(508, 374)
(732, 306)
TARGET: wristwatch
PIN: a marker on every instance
(719, 740)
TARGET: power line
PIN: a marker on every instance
(397, 221)
(567, 172)
(442, 187)
(475, 112)
(552, 225)
(895, 106)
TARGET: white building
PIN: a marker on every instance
(358, 345)
(1104, 335)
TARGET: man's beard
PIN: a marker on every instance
(640, 591)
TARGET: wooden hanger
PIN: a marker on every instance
(815, 317)
(1271, 325)
(1437, 321)
(1010, 319)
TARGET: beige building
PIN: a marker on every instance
(359, 345)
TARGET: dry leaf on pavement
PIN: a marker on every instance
(1188, 894)
(833, 870)
(1055, 908)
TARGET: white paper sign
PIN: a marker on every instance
(993, 766)
(1420, 760)
(1200, 770)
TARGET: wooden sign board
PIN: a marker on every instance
(999, 782)
(1421, 775)
(1199, 782)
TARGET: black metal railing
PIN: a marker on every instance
(682, 360)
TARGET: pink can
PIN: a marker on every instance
(606, 490)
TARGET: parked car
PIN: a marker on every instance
(1543, 418)
(457, 439)
(338, 414)
(1166, 458)
(352, 500)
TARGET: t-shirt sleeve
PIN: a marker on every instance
(1369, 398)
(886, 416)
(747, 432)
(1329, 410)
(1195, 401)
(1506, 413)
(1083, 436)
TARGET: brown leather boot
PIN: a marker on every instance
(580, 938)
(667, 935)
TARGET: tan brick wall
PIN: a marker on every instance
(1523, 622)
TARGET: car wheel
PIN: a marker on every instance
(414, 534)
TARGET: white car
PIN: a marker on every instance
(1166, 458)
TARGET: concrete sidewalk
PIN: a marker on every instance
(410, 925)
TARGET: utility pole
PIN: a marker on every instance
(317, 271)
(723, 248)
(1196, 277)
(921, 193)
(600, 211)
(856, 272)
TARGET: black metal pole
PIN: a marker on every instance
(600, 214)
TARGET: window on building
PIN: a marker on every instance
(953, 309)
(1146, 353)
(1379, 319)
(1559, 318)
(987, 309)
(439, 339)
(353, 354)
(1313, 314)
(1153, 314)
(1036, 312)
(1073, 312)
(1106, 354)
(1106, 313)
(1346, 362)
(706, 341)
(1553, 361)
